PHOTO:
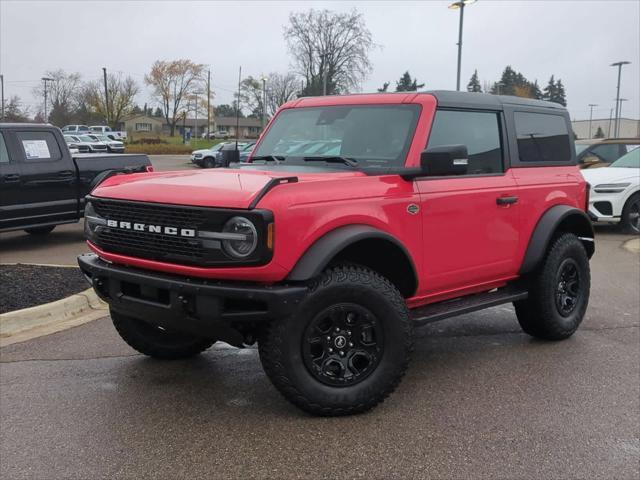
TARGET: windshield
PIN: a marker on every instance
(630, 160)
(87, 138)
(374, 135)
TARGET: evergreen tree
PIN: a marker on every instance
(136, 110)
(474, 83)
(550, 90)
(599, 133)
(385, 85)
(158, 112)
(407, 84)
(535, 91)
(560, 96)
(507, 83)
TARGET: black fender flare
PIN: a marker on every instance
(323, 250)
(566, 217)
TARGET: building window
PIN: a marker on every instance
(143, 127)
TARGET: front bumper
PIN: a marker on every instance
(196, 306)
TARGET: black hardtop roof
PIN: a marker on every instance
(39, 126)
(448, 98)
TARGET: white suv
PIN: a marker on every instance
(615, 192)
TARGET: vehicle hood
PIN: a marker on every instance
(223, 188)
(202, 152)
(598, 176)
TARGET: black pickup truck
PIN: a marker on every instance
(42, 185)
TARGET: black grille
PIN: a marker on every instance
(184, 217)
(172, 248)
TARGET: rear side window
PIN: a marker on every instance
(4, 156)
(542, 137)
(478, 131)
(609, 152)
(39, 146)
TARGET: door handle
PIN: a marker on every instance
(11, 177)
(66, 173)
(506, 200)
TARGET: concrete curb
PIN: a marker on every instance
(52, 317)
(632, 245)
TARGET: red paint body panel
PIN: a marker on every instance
(460, 242)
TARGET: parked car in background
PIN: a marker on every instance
(92, 145)
(42, 185)
(78, 129)
(111, 134)
(223, 134)
(206, 157)
(596, 153)
(113, 146)
(76, 146)
(246, 151)
(615, 192)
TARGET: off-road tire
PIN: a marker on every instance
(630, 206)
(281, 345)
(156, 343)
(539, 315)
(40, 231)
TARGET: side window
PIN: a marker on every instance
(542, 137)
(39, 146)
(609, 152)
(479, 131)
(629, 147)
(4, 155)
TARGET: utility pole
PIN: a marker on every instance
(323, 56)
(195, 123)
(45, 80)
(2, 95)
(264, 99)
(208, 104)
(620, 113)
(609, 129)
(619, 65)
(106, 95)
(591, 105)
(459, 5)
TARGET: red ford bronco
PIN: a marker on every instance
(358, 218)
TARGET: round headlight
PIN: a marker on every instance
(242, 238)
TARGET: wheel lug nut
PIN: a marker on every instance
(350, 344)
(328, 338)
(331, 350)
(341, 353)
(337, 329)
(349, 332)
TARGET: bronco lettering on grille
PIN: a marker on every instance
(144, 227)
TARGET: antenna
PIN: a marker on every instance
(238, 106)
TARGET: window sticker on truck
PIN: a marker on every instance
(36, 149)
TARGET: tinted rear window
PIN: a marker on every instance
(542, 137)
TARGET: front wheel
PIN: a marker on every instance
(157, 342)
(630, 220)
(345, 349)
(209, 163)
(558, 291)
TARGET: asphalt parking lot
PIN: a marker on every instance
(480, 400)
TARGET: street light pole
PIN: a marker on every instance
(264, 99)
(45, 80)
(459, 5)
(2, 95)
(619, 65)
(591, 105)
(620, 113)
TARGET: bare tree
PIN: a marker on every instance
(251, 96)
(329, 48)
(281, 89)
(121, 93)
(172, 83)
(62, 95)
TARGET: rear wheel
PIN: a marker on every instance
(558, 292)
(345, 349)
(630, 220)
(40, 230)
(157, 342)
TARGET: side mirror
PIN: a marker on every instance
(444, 160)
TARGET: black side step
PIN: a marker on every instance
(471, 303)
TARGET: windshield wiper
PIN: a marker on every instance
(351, 162)
(269, 158)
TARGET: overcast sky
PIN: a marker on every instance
(575, 40)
